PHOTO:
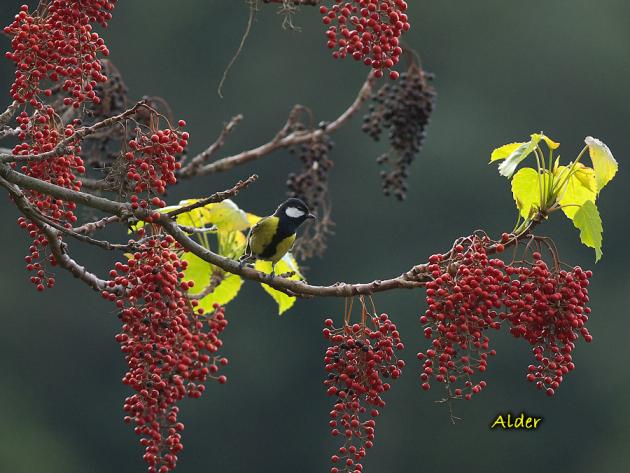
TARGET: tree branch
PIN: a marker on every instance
(282, 140)
(57, 246)
(64, 145)
(6, 116)
(91, 227)
(415, 277)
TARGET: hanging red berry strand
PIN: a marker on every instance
(549, 310)
(368, 31)
(50, 46)
(359, 357)
(471, 293)
(170, 345)
(58, 45)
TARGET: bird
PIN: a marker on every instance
(273, 236)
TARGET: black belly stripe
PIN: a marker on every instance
(284, 230)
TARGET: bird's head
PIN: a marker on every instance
(294, 210)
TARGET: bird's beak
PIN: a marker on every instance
(313, 216)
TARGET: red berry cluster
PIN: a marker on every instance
(37, 256)
(367, 30)
(170, 346)
(463, 300)
(55, 43)
(360, 356)
(549, 310)
(38, 134)
(151, 164)
(471, 293)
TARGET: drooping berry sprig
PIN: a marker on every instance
(41, 133)
(170, 345)
(358, 362)
(368, 31)
(151, 163)
(463, 301)
(404, 108)
(54, 43)
(471, 293)
(549, 310)
(57, 42)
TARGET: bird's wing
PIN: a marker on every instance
(261, 235)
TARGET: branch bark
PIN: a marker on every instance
(284, 140)
(6, 116)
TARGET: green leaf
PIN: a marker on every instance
(200, 271)
(578, 188)
(588, 221)
(285, 265)
(603, 161)
(526, 190)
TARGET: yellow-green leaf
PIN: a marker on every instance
(285, 265)
(578, 188)
(504, 151)
(514, 153)
(200, 271)
(227, 290)
(588, 221)
(526, 190)
(231, 244)
(550, 143)
(603, 161)
(226, 216)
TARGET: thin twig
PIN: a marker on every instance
(216, 197)
(202, 157)
(216, 278)
(282, 140)
(248, 28)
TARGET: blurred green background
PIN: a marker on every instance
(503, 70)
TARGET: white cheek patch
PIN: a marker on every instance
(294, 212)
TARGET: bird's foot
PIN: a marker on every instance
(245, 261)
